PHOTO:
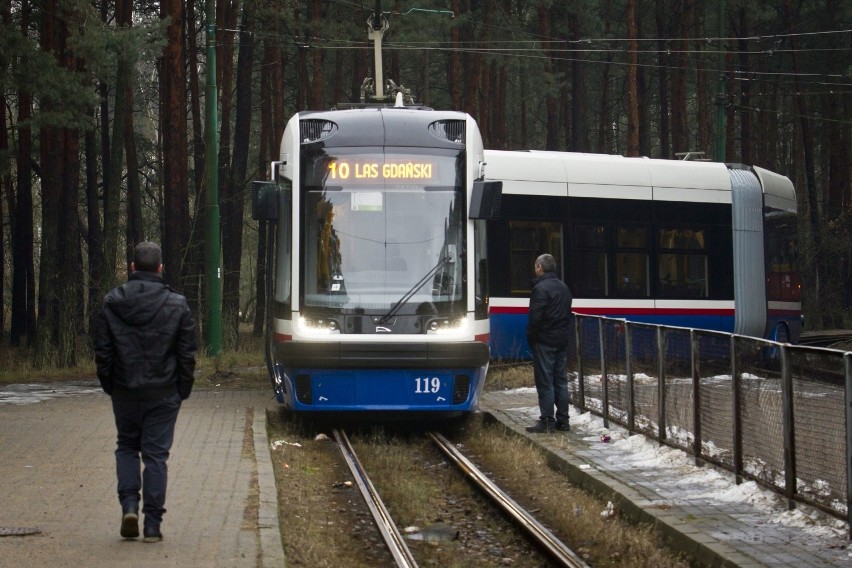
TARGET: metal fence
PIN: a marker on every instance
(775, 413)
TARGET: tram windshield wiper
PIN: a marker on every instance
(446, 258)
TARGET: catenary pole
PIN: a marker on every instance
(213, 272)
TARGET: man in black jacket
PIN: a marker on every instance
(548, 333)
(145, 350)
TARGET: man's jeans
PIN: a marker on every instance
(145, 427)
(551, 381)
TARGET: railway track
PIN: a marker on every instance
(556, 550)
(831, 338)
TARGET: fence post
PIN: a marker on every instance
(661, 384)
(735, 413)
(604, 381)
(628, 357)
(696, 394)
(581, 374)
(847, 366)
(788, 428)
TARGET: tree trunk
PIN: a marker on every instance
(69, 278)
(632, 83)
(663, 65)
(810, 173)
(23, 271)
(112, 196)
(136, 231)
(485, 99)
(94, 235)
(56, 331)
(604, 144)
(174, 146)
(579, 130)
(303, 85)
(224, 63)
(233, 206)
(272, 128)
(5, 180)
(702, 89)
(317, 13)
(454, 60)
(472, 69)
(267, 148)
(680, 70)
(195, 100)
(745, 92)
(500, 137)
(551, 111)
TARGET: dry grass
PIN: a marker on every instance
(411, 497)
(574, 515)
(16, 364)
(323, 522)
(520, 467)
(509, 375)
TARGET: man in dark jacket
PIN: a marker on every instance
(548, 333)
(145, 350)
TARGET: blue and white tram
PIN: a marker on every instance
(684, 243)
(377, 301)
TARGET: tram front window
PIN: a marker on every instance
(369, 245)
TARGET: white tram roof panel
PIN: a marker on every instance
(608, 176)
(778, 191)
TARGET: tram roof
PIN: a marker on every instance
(608, 176)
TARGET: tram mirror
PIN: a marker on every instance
(485, 200)
(264, 200)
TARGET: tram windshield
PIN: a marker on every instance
(383, 230)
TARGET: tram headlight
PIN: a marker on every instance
(448, 326)
(318, 327)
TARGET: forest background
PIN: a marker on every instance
(102, 136)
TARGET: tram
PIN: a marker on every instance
(377, 261)
(683, 243)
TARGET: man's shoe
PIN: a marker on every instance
(542, 427)
(152, 535)
(130, 523)
(563, 426)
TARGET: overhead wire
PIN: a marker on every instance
(496, 48)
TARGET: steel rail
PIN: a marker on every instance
(555, 547)
(393, 538)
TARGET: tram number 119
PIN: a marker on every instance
(427, 385)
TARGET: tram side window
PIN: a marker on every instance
(631, 262)
(682, 264)
(283, 280)
(589, 262)
(527, 240)
(480, 253)
(782, 275)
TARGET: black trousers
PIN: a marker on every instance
(145, 428)
(551, 381)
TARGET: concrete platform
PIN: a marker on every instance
(717, 530)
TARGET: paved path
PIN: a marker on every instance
(57, 471)
(58, 475)
(718, 532)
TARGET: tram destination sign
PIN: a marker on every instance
(419, 170)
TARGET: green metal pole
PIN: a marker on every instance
(214, 246)
(721, 95)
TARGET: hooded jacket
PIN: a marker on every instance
(550, 315)
(145, 345)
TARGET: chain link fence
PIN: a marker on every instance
(778, 414)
